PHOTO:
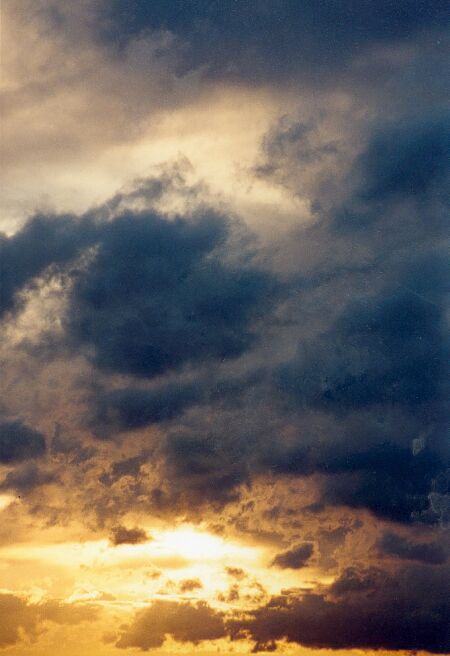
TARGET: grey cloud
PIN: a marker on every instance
(42, 242)
(408, 610)
(157, 296)
(268, 41)
(19, 442)
(393, 544)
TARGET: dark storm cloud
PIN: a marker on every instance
(392, 544)
(42, 242)
(19, 442)
(152, 294)
(134, 408)
(389, 348)
(404, 161)
(379, 369)
(294, 558)
(386, 352)
(269, 40)
(408, 159)
(406, 611)
(156, 297)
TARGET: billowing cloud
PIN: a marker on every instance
(370, 614)
(154, 297)
(184, 622)
(224, 298)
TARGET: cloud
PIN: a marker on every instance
(157, 296)
(43, 241)
(27, 478)
(405, 160)
(182, 621)
(27, 619)
(294, 558)
(363, 609)
(19, 442)
(133, 408)
(188, 585)
(392, 544)
(406, 611)
(122, 535)
(205, 467)
(267, 41)
(373, 378)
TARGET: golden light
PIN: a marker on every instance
(197, 545)
(5, 501)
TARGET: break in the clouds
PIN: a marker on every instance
(224, 311)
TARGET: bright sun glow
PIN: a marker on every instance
(5, 500)
(184, 543)
(195, 545)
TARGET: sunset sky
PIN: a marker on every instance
(224, 310)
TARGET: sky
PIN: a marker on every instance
(224, 313)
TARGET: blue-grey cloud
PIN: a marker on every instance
(263, 40)
(43, 241)
(398, 546)
(157, 296)
(19, 442)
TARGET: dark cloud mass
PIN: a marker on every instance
(42, 242)
(400, 547)
(155, 297)
(408, 611)
(19, 442)
(263, 40)
(380, 370)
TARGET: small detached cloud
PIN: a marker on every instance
(122, 535)
(294, 558)
(189, 585)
